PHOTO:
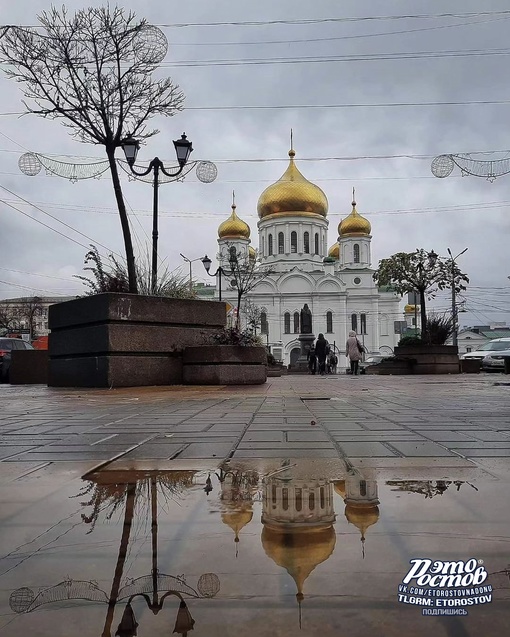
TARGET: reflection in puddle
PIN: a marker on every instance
(141, 530)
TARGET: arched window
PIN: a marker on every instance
(316, 241)
(264, 328)
(263, 246)
(281, 243)
(293, 241)
(270, 245)
(286, 322)
(296, 322)
(306, 243)
(363, 323)
(356, 253)
(354, 322)
(329, 322)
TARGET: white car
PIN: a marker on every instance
(498, 344)
(495, 362)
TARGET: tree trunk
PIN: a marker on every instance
(130, 257)
(238, 313)
(423, 313)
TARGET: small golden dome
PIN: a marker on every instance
(233, 227)
(252, 253)
(237, 520)
(334, 251)
(339, 486)
(292, 195)
(299, 550)
(362, 516)
(410, 309)
(354, 225)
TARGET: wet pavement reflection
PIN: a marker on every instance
(263, 547)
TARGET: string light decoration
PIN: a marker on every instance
(150, 44)
(442, 166)
(31, 164)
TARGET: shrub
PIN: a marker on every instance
(409, 341)
(439, 329)
(233, 336)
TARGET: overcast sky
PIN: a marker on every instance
(384, 152)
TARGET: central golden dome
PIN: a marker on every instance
(354, 225)
(233, 227)
(292, 195)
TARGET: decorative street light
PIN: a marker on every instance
(183, 150)
(190, 261)
(454, 299)
(219, 272)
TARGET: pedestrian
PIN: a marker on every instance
(353, 350)
(333, 362)
(312, 360)
(321, 351)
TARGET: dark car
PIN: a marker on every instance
(373, 359)
(6, 347)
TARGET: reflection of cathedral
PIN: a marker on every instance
(336, 284)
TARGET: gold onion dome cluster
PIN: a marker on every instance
(292, 195)
(233, 227)
(354, 225)
(408, 309)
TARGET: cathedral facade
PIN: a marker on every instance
(336, 283)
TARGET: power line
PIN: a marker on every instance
(251, 23)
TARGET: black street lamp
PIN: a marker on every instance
(183, 149)
(454, 298)
(219, 272)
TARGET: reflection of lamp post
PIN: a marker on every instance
(207, 265)
(190, 261)
(454, 300)
(183, 149)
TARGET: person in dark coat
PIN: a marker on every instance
(321, 351)
(312, 360)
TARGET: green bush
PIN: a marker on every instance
(409, 341)
(233, 336)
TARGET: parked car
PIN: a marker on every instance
(497, 344)
(373, 359)
(6, 347)
(495, 362)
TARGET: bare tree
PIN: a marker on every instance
(246, 272)
(94, 71)
(9, 318)
(252, 314)
(29, 310)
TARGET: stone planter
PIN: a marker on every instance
(431, 359)
(126, 340)
(224, 365)
(470, 366)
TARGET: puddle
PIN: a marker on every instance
(258, 548)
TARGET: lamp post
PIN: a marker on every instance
(219, 272)
(183, 149)
(454, 299)
(190, 261)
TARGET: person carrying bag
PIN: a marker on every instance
(353, 351)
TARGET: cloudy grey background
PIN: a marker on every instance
(385, 153)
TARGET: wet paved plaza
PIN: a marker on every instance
(291, 507)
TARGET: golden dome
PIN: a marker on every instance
(237, 520)
(292, 195)
(362, 516)
(299, 550)
(339, 486)
(252, 253)
(233, 227)
(408, 309)
(354, 225)
(334, 251)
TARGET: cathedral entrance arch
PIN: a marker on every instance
(294, 355)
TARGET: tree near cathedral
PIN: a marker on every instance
(245, 273)
(94, 71)
(422, 272)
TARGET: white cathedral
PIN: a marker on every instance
(336, 284)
